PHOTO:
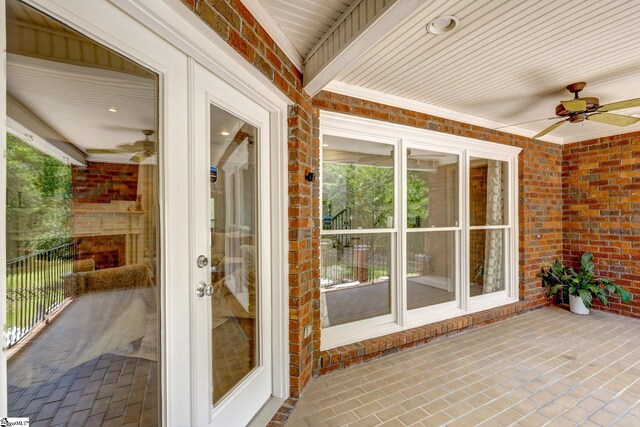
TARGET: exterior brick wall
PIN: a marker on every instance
(103, 182)
(235, 24)
(477, 215)
(601, 211)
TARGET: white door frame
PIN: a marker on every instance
(170, 21)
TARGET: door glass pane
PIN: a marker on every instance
(487, 192)
(233, 216)
(432, 189)
(355, 276)
(82, 229)
(487, 258)
(431, 268)
(357, 184)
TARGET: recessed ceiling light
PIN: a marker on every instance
(111, 109)
(225, 133)
(325, 145)
(442, 24)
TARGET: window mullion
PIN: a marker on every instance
(463, 250)
(401, 225)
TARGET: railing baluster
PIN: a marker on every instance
(36, 288)
(23, 287)
(33, 273)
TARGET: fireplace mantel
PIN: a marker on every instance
(110, 219)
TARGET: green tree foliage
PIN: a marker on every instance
(366, 194)
(38, 199)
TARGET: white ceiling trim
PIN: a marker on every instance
(338, 49)
(421, 107)
(333, 28)
(24, 124)
(273, 29)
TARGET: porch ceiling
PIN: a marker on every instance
(86, 94)
(304, 22)
(508, 62)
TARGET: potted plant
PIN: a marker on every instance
(582, 285)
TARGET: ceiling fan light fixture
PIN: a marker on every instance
(442, 24)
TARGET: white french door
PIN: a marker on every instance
(230, 252)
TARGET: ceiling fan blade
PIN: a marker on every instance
(142, 145)
(574, 105)
(613, 119)
(620, 105)
(549, 129)
(139, 157)
(130, 148)
(102, 151)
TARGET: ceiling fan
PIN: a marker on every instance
(141, 149)
(579, 109)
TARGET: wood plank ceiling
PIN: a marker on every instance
(508, 61)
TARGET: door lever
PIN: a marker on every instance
(204, 289)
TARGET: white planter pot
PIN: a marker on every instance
(577, 305)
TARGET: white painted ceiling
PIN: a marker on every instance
(304, 22)
(508, 62)
(74, 101)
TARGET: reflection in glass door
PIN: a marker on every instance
(81, 336)
(233, 196)
(232, 298)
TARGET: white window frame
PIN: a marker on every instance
(385, 319)
(404, 137)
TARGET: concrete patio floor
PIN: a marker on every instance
(547, 367)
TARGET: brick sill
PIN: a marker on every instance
(362, 351)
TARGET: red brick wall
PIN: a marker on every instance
(235, 24)
(103, 182)
(478, 216)
(106, 251)
(601, 210)
(540, 185)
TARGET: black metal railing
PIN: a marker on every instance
(341, 221)
(35, 288)
(361, 260)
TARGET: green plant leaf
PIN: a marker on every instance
(586, 262)
(586, 297)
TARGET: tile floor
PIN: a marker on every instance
(547, 367)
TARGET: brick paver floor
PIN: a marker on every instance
(548, 367)
(108, 390)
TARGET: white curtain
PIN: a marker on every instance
(494, 242)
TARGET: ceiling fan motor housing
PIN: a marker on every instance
(592, 105)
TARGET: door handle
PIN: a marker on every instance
(204, 289)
